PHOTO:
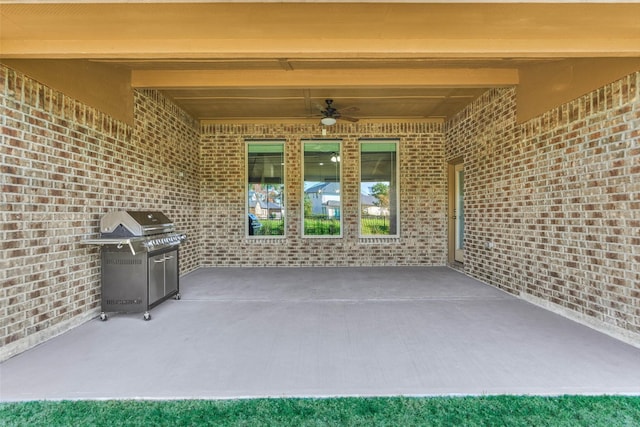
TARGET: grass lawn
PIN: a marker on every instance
(592, 411)
(374, 225)
(271, 227)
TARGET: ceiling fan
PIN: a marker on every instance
(330, 114)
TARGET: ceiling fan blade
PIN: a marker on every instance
(319, 107)
(349, 119)
(351, 109)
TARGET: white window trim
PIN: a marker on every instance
(395, 236)
(246, 187)
(340, 154)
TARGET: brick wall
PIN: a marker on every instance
(422, 185)
(64, 165)
(167, 168)
(559, 196)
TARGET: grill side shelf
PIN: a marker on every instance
(119, 242)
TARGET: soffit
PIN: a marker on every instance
(323, 22)
(261, 61)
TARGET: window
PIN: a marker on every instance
(322, 202)
(379, 214)
(265, 189)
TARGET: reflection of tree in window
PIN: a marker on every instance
(380, 191)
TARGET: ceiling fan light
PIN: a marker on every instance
(328, 121)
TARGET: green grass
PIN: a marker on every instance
(372, 225)
(271, 227)
(592, 411)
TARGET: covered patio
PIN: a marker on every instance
(323, 331)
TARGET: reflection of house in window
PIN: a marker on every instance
(371, 206)
(265, 210)
(331, 209)
(325, 199)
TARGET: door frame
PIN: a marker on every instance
(451, 244)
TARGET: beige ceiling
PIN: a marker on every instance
(281, 60)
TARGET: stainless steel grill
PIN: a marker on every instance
(140, 261)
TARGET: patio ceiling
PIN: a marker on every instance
(280, 60)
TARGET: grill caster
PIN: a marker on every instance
(103, 316)
(178, 296)
(147, 316)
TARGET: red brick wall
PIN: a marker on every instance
(560, 197)
(65, 164)
(422, 201)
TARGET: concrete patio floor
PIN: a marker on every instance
(258, 332)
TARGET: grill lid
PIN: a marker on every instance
(134, 223)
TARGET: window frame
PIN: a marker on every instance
(258, 142)
(396, 174)
(340, 191)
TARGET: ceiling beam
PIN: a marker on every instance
(318, 49)
(145, 30)
(352, 78)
